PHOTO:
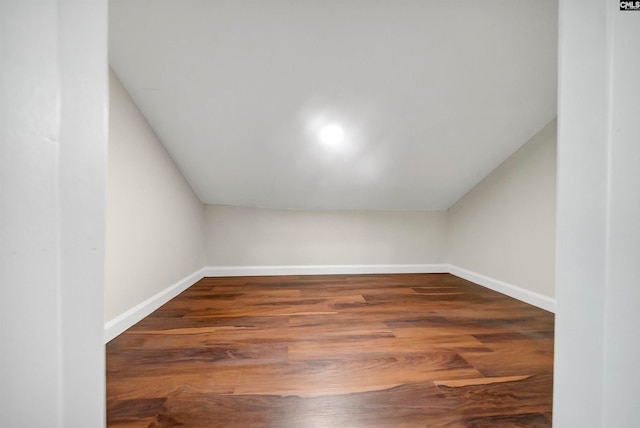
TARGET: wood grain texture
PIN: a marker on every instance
(406, 350)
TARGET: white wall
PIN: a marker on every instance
(622, 374)
(53, 104)
(262, 237)
(598, 242)
(154, 219)
(504, 228)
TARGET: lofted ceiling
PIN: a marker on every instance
(431, 95)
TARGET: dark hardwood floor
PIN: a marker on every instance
(414, 350)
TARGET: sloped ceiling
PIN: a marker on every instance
(432, 95)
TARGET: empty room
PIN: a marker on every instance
(336, 171)
(316, 213)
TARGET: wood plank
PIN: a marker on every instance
(401, 350)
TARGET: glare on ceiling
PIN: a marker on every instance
(331, 134)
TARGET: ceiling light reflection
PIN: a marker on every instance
(331, 134)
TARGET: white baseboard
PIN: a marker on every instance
(322, 269)
(127, 319)
(527, 296)
(117, 325)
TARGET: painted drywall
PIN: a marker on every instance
(268, 237)
(53, 157)
(237, 91)
(598, 242)
(622, 374)
(504, 228)
(154, 219)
